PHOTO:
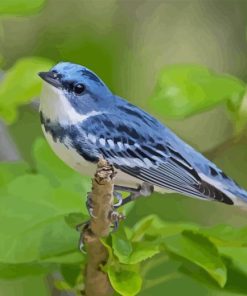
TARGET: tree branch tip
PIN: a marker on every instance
(105, 172)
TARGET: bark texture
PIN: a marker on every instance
(97, 282)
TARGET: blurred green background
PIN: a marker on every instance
(128, 43)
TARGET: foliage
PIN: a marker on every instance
(35, 211)
(20, 7)
(183, 90)
(40, 204)
(20, 85)
(40, 208)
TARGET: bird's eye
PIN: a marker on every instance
(79, 88)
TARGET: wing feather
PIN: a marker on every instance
(142, 153)
(161, 171)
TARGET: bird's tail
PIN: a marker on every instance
(232, 194)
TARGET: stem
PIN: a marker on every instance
(96, 281)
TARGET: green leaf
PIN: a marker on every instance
(132, 253)
(125, 279)
(10, 170)
(142, 251)
(153, 226)
(122, 247)
(144, 240)
(20, 85)
(32, 224)
(70, 258)
(199, 274)
(183, 90)
(226, 235)
(58, 173)
(198, 250)
(13, 271)
(237, 255)
(74, 219)
(106, 242)
(143, 226)
(20, 7)
(26, 287)
(71, 273)
(236, 277)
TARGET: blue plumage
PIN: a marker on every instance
(132, 140)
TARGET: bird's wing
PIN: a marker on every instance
(140, 152)
(169, 171)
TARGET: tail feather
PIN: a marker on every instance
(211, 192)
(222, 193)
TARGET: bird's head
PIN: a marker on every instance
(74, 86)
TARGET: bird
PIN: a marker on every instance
(83, 121)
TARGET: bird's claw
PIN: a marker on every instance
(115, 218)
(90, 211)
(119, 197)
(82, 227)
(89, 205)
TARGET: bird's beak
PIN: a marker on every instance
(51, 78)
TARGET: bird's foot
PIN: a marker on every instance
(115, 218)
(82, 227)
(143, 190)
(89, 205)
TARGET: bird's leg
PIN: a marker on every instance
(144, 189)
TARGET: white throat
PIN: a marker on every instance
(56, 107)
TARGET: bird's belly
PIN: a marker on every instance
(70, 156)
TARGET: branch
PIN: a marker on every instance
(97, 282)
